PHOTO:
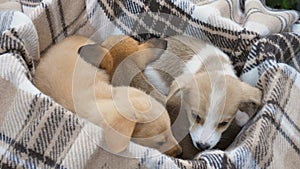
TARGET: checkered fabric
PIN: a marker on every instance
(36, 132)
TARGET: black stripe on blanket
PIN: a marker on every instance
(66, 27)
(12, 43)
(47, 134)
(62, 18)
(282, 48)
(163, 18)
(50, 24)
(281, 131)
(30, 3)
(15, 156)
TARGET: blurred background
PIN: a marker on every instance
(284, 4)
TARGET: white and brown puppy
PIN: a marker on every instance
(211, 92)
(124, 113)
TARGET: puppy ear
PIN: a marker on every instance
(250, 94)
(108, 64)
(92, 53)
(117, 132)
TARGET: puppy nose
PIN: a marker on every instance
(203, 146)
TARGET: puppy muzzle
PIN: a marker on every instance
(202, 146)
(175, 151)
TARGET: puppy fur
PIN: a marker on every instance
(199, 70)
(126, 59)
(124, 113)
(204, 72)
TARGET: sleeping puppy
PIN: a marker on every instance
(125, 60)
(209, 67)
(124, 113)
(211, 92)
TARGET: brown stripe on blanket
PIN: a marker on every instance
(277, 85)
(47, 135)
(277, 130)
(63, 19)
(293, 118)
(9, 5)
(8, 91)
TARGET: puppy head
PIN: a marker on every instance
(211, 101)
(157, 134)
(138, 117)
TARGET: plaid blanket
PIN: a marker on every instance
(36, 132)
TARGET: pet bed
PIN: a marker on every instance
(36, 132)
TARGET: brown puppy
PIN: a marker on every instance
(128, 46)
(125, 60)
(122, 112)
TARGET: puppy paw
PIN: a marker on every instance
(241, 118)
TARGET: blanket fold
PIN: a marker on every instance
(36, 132)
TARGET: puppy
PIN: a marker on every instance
(126, 59)
(124, 113)
(211, 92)
(173, 64)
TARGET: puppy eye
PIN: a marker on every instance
(196, 117)
(222, 124)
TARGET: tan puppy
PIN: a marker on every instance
(122, 112)
(125, 60)
(211, 92)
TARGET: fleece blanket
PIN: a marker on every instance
(36, 132)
